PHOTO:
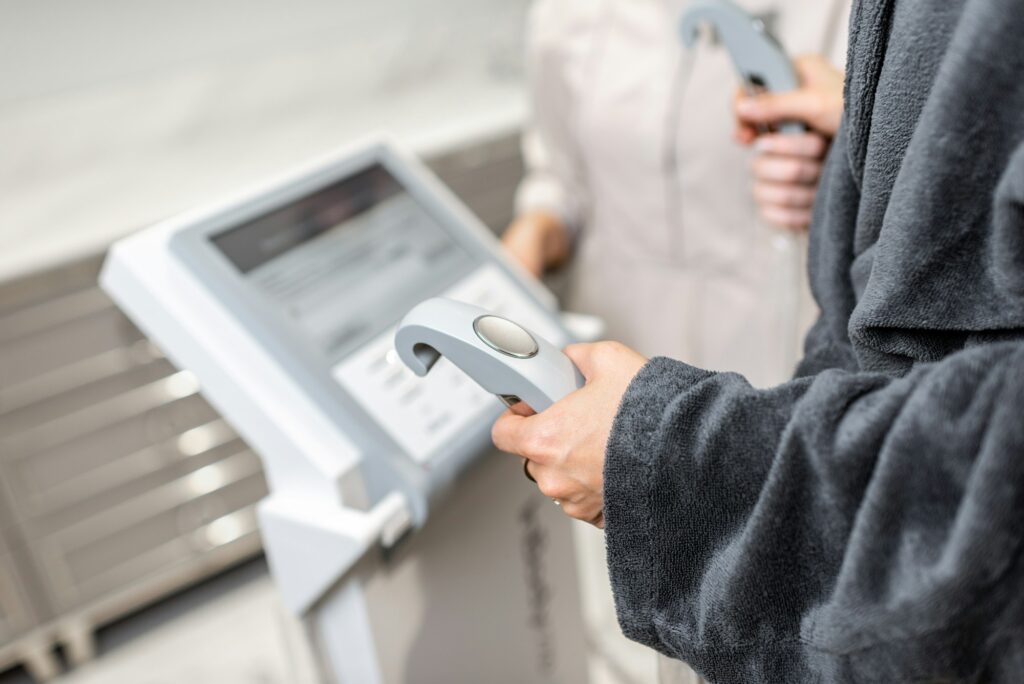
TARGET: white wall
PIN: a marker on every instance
(116, 113)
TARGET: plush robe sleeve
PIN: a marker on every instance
(863, 522)
(842, 527)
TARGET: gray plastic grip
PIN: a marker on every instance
(443, 327)
(756, 55)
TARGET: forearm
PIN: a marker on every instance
(831, 527)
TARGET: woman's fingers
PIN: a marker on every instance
(784, 195)
(786, 172)
(808, 145)
(775, 108)
(796, 220)
(787, 166)
(573, 496)
(745, 133)
(553, 484)
(585, 512)
(817, 103)
(522, 409)
(534, 437)
(786, 169)
(566, 442)
(509, 433)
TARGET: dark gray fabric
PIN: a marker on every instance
(863, 522)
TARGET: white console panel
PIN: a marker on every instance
(283, 303)
(423, 414)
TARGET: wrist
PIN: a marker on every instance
(545, 234)
(554, 239)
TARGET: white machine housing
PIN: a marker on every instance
(296, 352)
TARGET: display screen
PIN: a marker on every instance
(348, 261)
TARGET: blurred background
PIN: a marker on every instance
(128, 546)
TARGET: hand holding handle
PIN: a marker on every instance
(500, 355)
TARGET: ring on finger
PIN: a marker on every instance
(526, 470)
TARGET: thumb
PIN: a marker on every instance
(775, 108)
(582, 355)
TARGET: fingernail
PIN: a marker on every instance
(746, 107)
(762, 144)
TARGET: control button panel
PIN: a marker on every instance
(424, 414)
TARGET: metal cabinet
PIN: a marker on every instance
(118, 482)
(21, 638)
(122, 483)
(16, 615)
(484, 176)
(154, 532)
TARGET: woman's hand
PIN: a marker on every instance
(538, 241)
(565, 444)
(817, 103)
(788, 166)
(786, 171)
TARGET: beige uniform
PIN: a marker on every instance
(630, 144)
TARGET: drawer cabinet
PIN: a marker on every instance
(16, 612)
(52, 499)
(119, 482)
(167, 526)
(36, 341)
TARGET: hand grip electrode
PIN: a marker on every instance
(500, 355)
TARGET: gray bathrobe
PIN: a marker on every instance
(864, 522)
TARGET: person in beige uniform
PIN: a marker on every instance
(632, 173)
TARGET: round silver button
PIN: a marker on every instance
(505, 336)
